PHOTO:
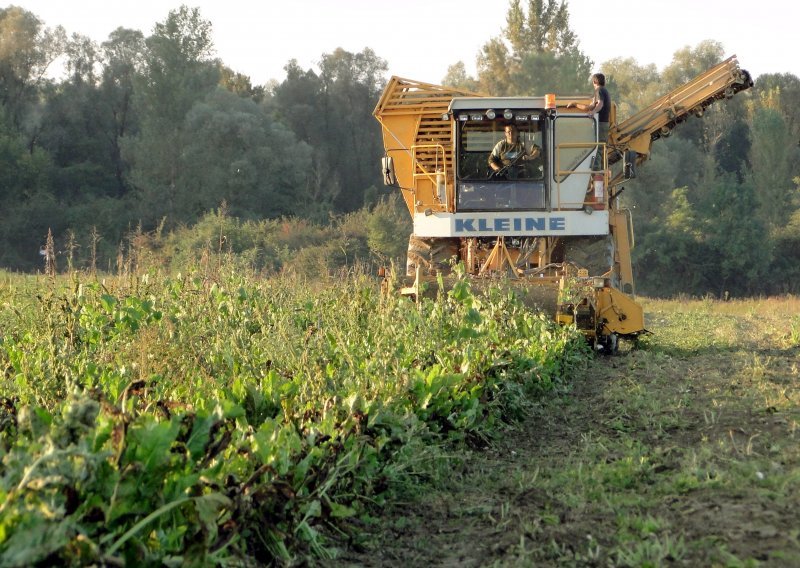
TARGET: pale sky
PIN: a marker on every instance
(420, 38)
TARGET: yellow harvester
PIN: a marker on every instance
(554, 226)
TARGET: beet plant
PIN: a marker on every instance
(237, 419)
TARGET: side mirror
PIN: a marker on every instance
(387, 165)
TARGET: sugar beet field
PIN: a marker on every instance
(219, 419)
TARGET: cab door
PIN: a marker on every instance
(573, 146)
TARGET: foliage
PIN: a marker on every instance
(689, 62)
(178, 75)
(675, 247)
(537, 53)
(289, 244)
(634, 85)
(27, 51)
(332, 111)
(458, 78)
(236, 154)
(199, 421)
(772, 167)
(721, 251)
(787, 256)
(744, 260)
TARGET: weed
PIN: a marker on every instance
(654, 550)
(794, 332)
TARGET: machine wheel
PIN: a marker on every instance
(432, 255)
(607, 344)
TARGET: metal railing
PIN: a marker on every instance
(439, 174)
(560, 175)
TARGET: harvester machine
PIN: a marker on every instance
(552, 226)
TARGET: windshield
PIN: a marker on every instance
(501, 164)
(514, 147)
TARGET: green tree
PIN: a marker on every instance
(179, 72)
(297, 102)
(27, 207)
(695, 142)
(458, 78)
(351, 84)
(495, 68)
(83, 60)
(240, 84)
(689, 62)
(77, 137)
(775, 156)
(544, 28)
(786, 276)
(77, 129)
(781, 91)
(238, 154)
(332, 112)
(737, 238)
(672, 257)
(771, 171)
(550, 72)
(654, 183)
(124, 63)
(388, 221)
(732, 150)
(27, 49)
(537, 52)
(635, 86)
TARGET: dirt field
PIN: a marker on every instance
(682, 452)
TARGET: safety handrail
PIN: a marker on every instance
(424, 173)
(601, 147)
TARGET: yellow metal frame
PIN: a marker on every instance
(619, 313)
(410, 114)
(498, 258)
(621, 221)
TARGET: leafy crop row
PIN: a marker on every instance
(240, 421)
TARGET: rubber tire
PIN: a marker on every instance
(432, 255)
(607, 344)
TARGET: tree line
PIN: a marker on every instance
(153, 133)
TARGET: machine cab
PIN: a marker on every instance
(514, 154)
(501, 155)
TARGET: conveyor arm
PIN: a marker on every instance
(659, 118)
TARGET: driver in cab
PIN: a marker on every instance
(510, 153)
